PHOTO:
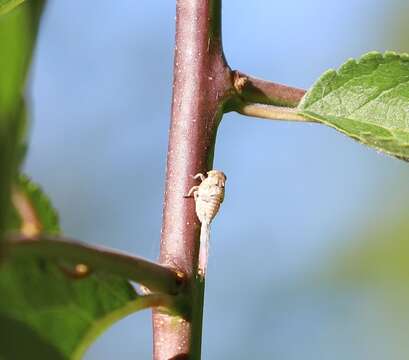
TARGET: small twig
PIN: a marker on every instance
(271, 112)
(253, 90)
(154, 276)
(264, 99)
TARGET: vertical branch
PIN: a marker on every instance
(202, 84)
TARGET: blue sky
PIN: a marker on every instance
(101, 92)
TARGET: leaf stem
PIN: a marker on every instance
(154, 276)
(265, 99)
(253, 90)
(271, 112)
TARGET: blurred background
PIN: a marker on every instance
(309, 255)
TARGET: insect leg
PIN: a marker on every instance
(199, 176)
(191, 191)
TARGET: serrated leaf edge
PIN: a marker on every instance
(331, 73)
(357, 138)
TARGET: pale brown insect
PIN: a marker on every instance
(208, 197)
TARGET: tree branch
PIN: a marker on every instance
(202, 84)
(154, 276)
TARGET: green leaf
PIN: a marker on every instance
(30, 198)
(368, 100)
(46, 314)
(378, 255)
(8, 5)
(17, 37)
(18, 31)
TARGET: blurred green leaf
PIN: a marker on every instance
(30, 198)
(379, 257)
(17, 36)
(54, 315)
(18, 31)
(368, 100)
(397, 26)
(8, 5)
(375, 269)
(44, 314)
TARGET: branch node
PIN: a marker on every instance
(239, 81)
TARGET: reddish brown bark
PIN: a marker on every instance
(202, 83)
(253, 90)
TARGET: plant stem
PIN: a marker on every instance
(202, 84)
(154, 276)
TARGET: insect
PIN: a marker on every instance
(208, 197)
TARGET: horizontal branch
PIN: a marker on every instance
(152, 275)
(271, 112)
(265, 99)
(253, 90)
